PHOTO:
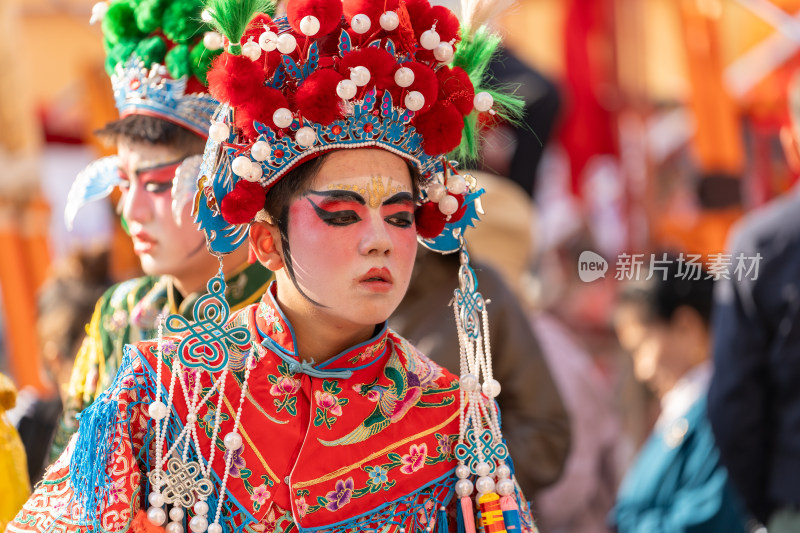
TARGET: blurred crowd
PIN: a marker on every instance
(644, 308)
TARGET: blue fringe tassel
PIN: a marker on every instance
(460, 519)
(441, 521)
(88, 465)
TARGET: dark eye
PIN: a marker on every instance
(401, 220)
(341, 218)
(158, 187)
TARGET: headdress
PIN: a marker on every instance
(157, 55)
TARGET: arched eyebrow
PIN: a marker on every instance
(159, 166)
(340, 194)
(400, 198)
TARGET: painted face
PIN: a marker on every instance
(164, 245)
(352, 239)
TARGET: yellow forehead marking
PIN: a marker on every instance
(374, 193)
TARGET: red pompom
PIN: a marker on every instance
(141, 524)
(371, 8)
(455, 87)
(235, 79)
(266, 101)
(241, 204)
(256, 27)
(316, 99)
(447, 26)
(424, 82)
(429, 220)
(380, 63)
(440, 128)
(328, 12)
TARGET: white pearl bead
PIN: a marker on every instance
(346, 89)
(205, 15)
(503, 472)
(157, 410)
(215, 528)
(468, 382)
(484, 484)
(99, 11)
(174, 527)
(360, 23)
(482, 468)
(241, 167)
(282, 118)
(463, 487)
(360, 75)
(286, 43)
(212, 40)
(404, 77)
(255, 172)
(260, 150)
(219, 132)
(306, 137)
(198, 524)
(436, 192)
(449, 205)
(414, 101)
(232, 441)
(201, 507)
(483, 101)
(156, 515)
(456, 184)
(443, 52)
(505, 487)
(251, 50)
(268, 41)
(176, 513)
(191, 418)
(429, 39)
(309, 25)
(389, 21)
(156, 499)
(462, 471)
(491, 388)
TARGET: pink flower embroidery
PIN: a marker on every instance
(415, 458)
(260, 494)
(285, 386)
(329, 402)
(301, 505)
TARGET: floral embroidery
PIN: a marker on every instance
(445, 445)
(169, 349)
(336, 499)
(237, 462)
(208, 421)
(368, 352)
(415, 459)
(301, 505)
(268, 314)
(285, 385)
(260, 495)
(378, 478)
(329, 406)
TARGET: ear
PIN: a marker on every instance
(791, 148)
(265, 243)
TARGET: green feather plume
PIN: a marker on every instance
(473, 54)
(231, 17)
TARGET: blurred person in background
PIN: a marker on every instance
(65, 304)
(13, 474)
(754, 400)
(677, 482)
(580, 499)
(165, 112)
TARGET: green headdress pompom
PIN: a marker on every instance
(178, 61)
(120, 23)
(119, 53)
(181, 22)
(149, 14)
(151, 50)
(230, 18)
(201, 58)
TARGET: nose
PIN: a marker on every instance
(136, 205)
(376, 239)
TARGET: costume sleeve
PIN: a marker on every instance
(535, 422)
(82, 381)
(738, 404)
(697, 495)
(97, 481)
